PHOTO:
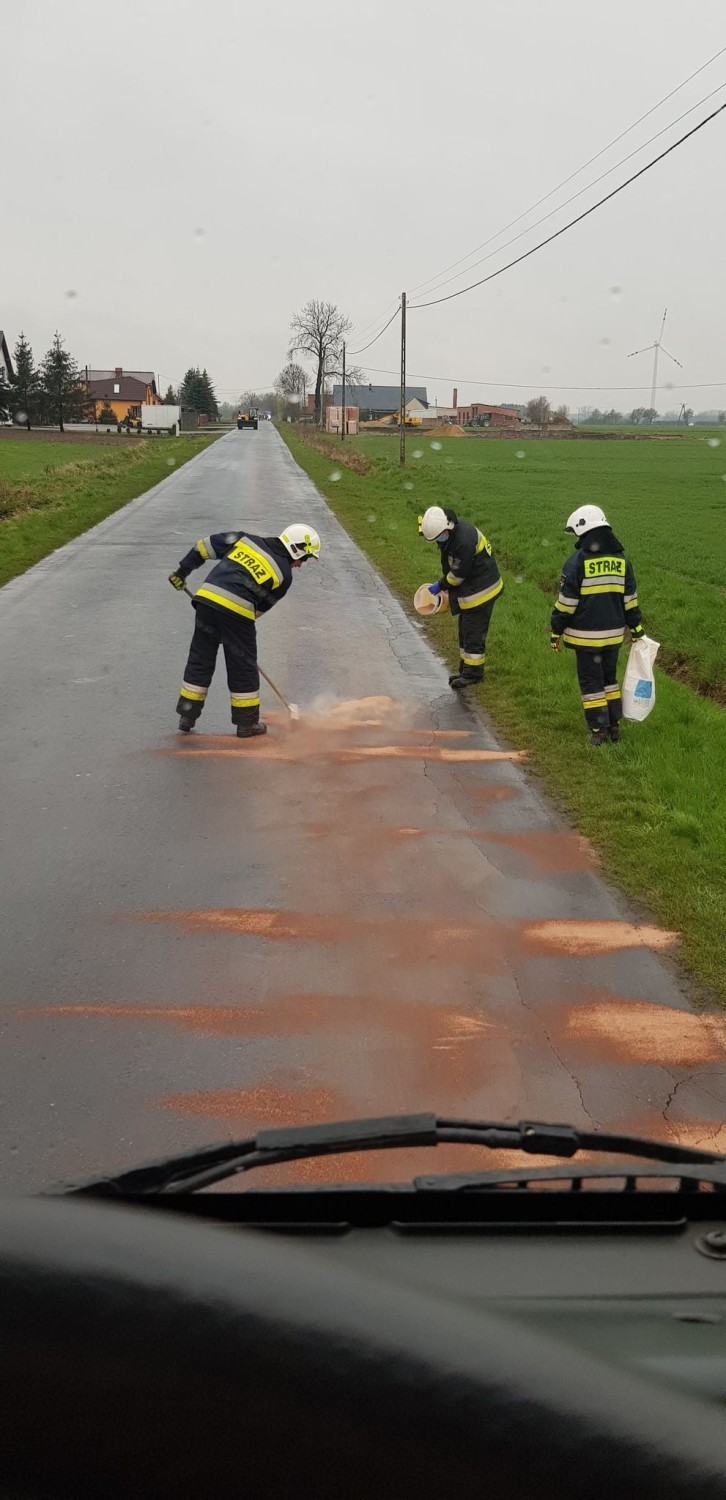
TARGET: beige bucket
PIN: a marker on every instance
(425, 603)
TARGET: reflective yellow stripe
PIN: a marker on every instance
(239, 609)
(632, 603)
(482, 545)
(248, 700)
(453, 580)
(601, 588)
(595, 645)
(472, 600)
(565, 609)
(612, 693)
(593, 700)
(202, 550)
(472, 661)
(193, 697)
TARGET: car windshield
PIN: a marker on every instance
(407, 795)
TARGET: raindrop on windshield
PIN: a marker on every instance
(371, 517)
(519, 453)
(616, 291)
(335, 476)
(199, 234)
(436, 446)
(545, 541)
(418, 452)
(70, 294)
(407, 485)
(714, 442)
(21, 418)
(606, 341)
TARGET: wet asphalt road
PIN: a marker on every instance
(200, 935)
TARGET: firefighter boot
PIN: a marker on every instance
(466, 677)
(247, 731)
(247, 721)
(188, 714)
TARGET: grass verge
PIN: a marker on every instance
(51, 492)
(653, 806)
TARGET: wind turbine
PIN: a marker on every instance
(656, 347)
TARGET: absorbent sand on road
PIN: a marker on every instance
(374, 912)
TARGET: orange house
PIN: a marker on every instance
(124, 391)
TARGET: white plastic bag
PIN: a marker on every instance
(639, 681)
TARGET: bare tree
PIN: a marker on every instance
(318, 330)
(292, 381)
(355, 375)
(539, 410)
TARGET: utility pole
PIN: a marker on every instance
(342, 409)
(402, 450)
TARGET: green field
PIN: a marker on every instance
(52, 491)
(667, 500)
(654, 806)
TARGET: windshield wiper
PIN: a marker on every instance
(207, 1165)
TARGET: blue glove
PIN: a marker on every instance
(434, 588)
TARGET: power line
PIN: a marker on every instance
(584, 189)
(572, 175)
(373, 321)
(578, 220)
(378, 335)
(512, 385)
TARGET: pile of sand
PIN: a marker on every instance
(443, 430)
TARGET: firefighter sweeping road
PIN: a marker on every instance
(372, 911)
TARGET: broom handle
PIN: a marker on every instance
(260, 669)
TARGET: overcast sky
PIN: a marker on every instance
(178, 178)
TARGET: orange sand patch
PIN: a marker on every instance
(637, 1031)
(590, 938)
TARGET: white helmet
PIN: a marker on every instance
(586, 519)
(434, 521)
(301, 541)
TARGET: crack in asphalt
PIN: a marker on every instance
(679, 1084)
(553, 1049)
(435, 789)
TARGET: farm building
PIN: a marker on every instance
(377, 401)
(479, 414)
